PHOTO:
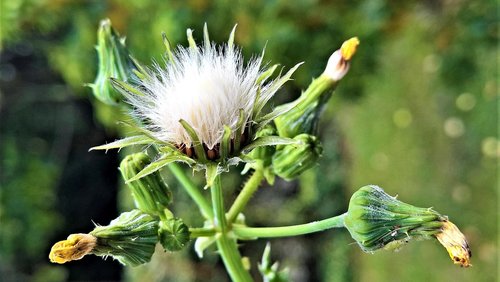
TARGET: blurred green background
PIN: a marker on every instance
(417, 115)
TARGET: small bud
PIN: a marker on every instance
(291, 160)
(73, 248)
(114, 61)
(130, 238)
(377, 220)
(150, 193)
(174, 234)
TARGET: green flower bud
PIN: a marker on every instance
(130, 238)
(377, 220)
(114, 61)
(174, 234)
(151, 194)
(291, 160)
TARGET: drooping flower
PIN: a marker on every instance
(204, 103)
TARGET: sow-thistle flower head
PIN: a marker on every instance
(204, 101)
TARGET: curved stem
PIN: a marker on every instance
(226, 246)
(192, 190)
(244, 196)
(244, 232)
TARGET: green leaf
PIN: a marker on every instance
(230, 42)
(167, 47)
(198, 147)
(278, 111)
(125, 88)
(275, 85)
(265, 75)
(147, 133)
(237, 133)
(128, 141)
(206, 38)
(158, 164)
(225, 145)
(192, 43)
(268, 141)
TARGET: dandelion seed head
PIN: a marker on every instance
(205, 86)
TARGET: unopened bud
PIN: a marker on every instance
(291, 160)
(150, 193)
(130, 238)
(114, 61)
(174, 234)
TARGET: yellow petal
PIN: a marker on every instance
(348, 48)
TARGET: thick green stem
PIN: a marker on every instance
(246, 193)
(244, 232)
(226, 246)
(192, 190)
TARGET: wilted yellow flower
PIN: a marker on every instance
(73, 248)
(455, 243)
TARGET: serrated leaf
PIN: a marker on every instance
(127, 141)
(268, 141)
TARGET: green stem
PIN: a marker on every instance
(244, 196)
(201, 232)
(192, 190)
(226, 246)
(244, 232)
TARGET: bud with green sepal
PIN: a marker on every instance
(303, 117)
(173, 234)
(114, 62)
(151, 194)
(377, 220)
(130, 239)
(291, 160)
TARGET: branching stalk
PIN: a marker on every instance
(244, 232)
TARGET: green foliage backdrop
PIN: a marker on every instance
(417, 115)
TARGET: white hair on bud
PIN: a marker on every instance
(205, 86)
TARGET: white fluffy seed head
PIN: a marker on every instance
(205, 86)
